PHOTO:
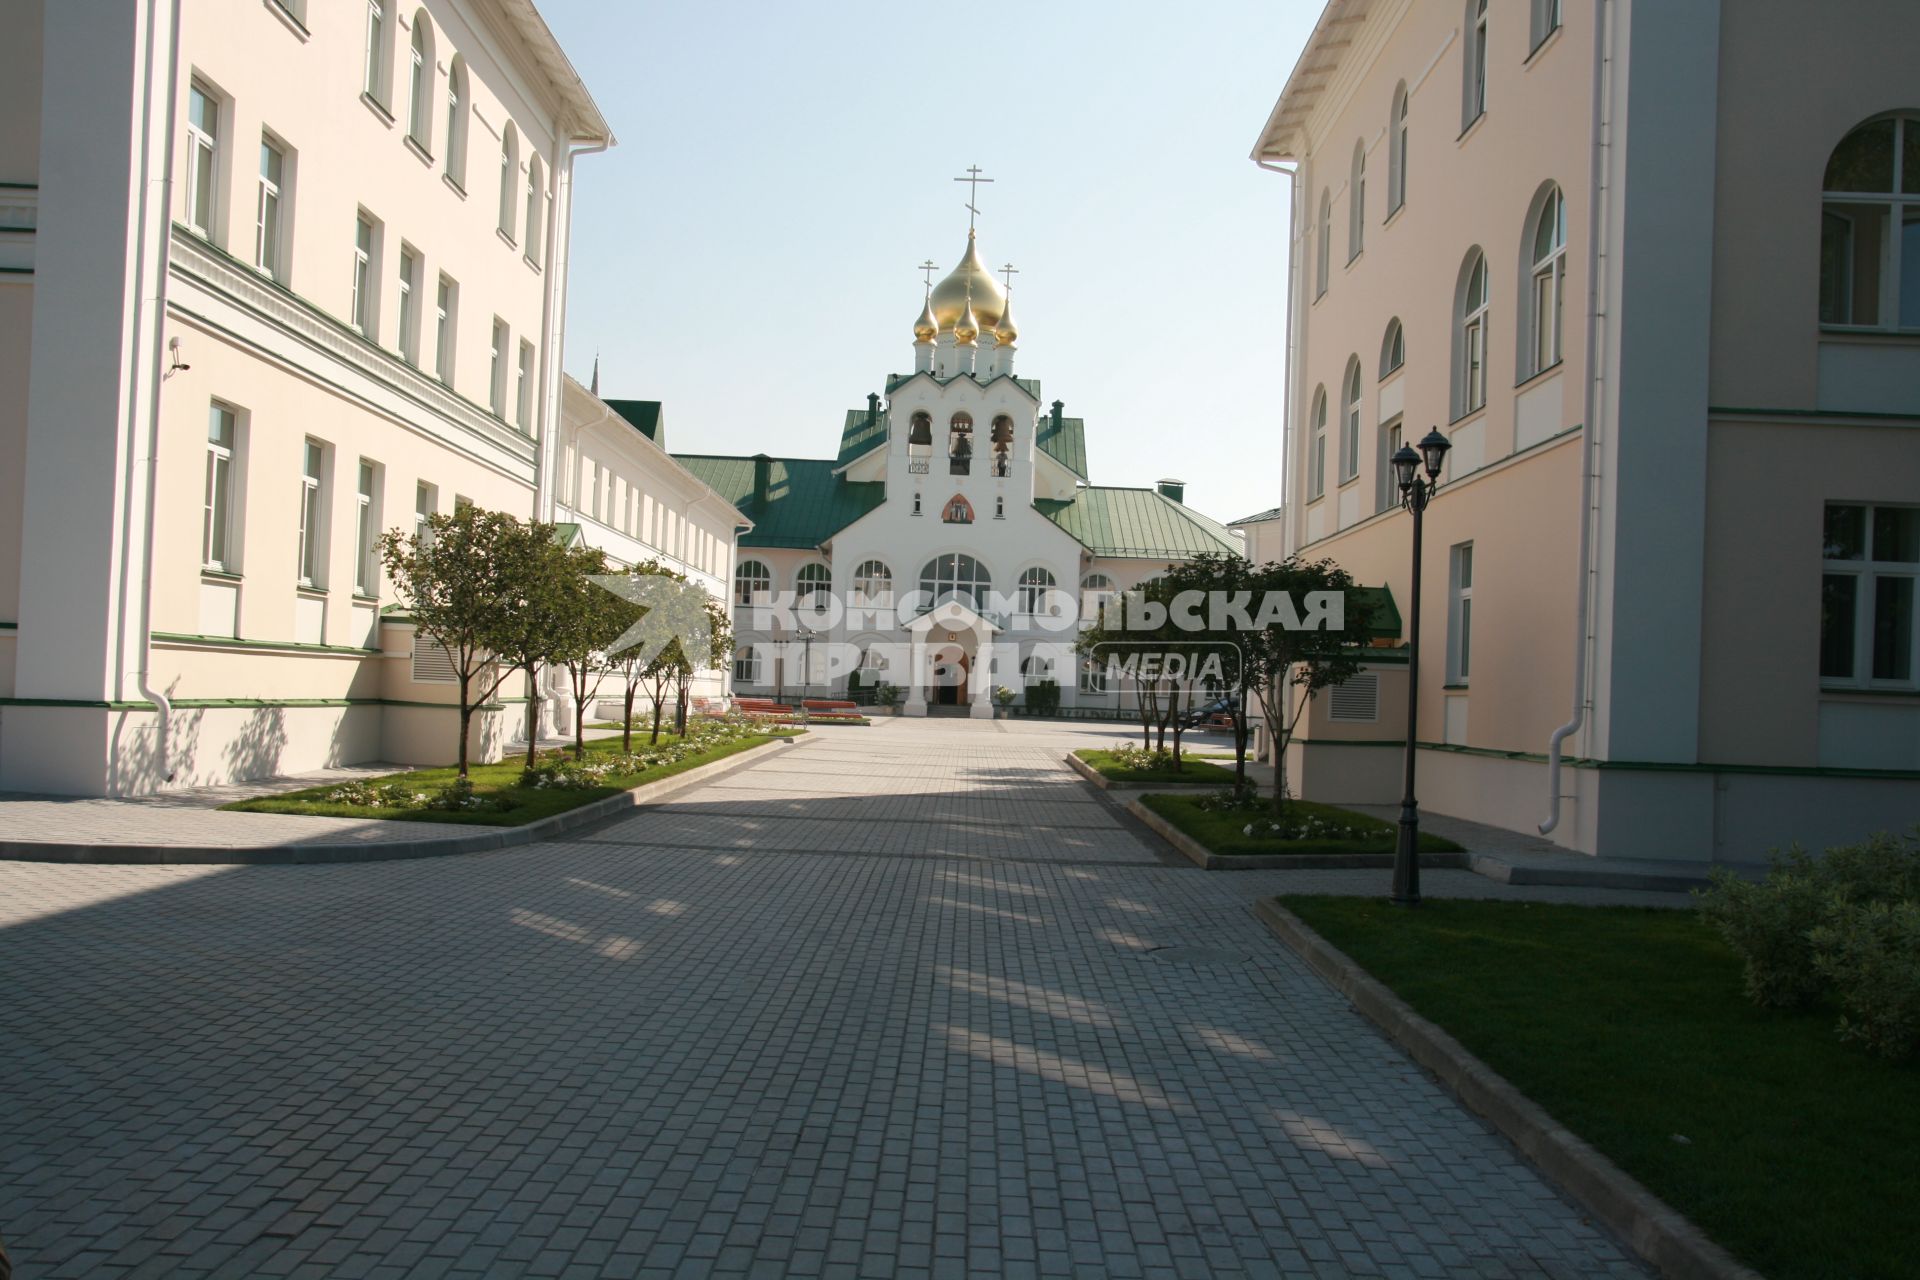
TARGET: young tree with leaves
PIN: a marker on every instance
(593, 619)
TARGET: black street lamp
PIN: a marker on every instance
(1416, 491)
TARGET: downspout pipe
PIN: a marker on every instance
(554, 322)
(1596, 314)
(1292, 173)
(153, 311)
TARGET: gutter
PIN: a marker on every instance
(1596, 227)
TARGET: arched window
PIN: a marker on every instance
(960, 443)
(1350, 423)
(1324, 259)
(1002, 437)
(1542, 307)
(752, 581)
(1035, 593)
(1474, 88)
(376, 82)
(509, 177)
(1036, 666)
(873, 584)
(920, 430)
(536, 205)
(1393, 349)
(1096, 590)
(1317, 456)
(813, 580)
(457, 120)
(420, 83)
(1357, 202)
(956, 576)
(746, 665)
(1870, 227)
(1470, 336)
(1397, 152)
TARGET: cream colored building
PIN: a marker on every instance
(279, 275)
(1654, 268)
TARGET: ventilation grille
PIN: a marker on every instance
(432, 664)
(1358, 700)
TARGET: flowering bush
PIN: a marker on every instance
(560, 772)
(377, 795)
(459, 796)
(1131, 755)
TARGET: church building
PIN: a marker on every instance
(956, 531)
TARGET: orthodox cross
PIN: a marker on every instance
(1009, 271)
(929, 268)
(973, 181)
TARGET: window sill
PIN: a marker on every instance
(310, 590)
(454, 185)
(1547, 41)
(378, 108)
(1867, 693)
(1535, 377)
(361, 597)
(1317, 297)
(419, 149)
(506, 239)
(1347, 482)
(528, 259)
(1355, 258)
(1466, 417)
(1393, 214)
(1393, 373)
(286, 15)
(1472, 127)
(1869, 337)
(218, 575)
(1453, 688)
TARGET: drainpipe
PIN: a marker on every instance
(1292, 173)
(553, 323)
(1589, 429)
(143, 677)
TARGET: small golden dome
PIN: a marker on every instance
(970, 282)
(1007, 330)
(926, 327)
(967, 327)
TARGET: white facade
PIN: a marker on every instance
(297, 277)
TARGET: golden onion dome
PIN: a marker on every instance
(1007, 331)
(967, 327)
(968, 282)
(926, 327)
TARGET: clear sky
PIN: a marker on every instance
(746, 253)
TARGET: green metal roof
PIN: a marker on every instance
(643, 416)
(806, 503)
(859, 436)
(1136, 523)
(1271, 513)
(1065, 444)
(568, 534)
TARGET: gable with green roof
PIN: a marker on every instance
(1136, 524)
(803, 502)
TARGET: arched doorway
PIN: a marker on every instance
(948, 666)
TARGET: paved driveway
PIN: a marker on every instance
(909, 1000)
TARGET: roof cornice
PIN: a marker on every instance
(1332, 36)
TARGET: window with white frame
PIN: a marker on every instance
(1096, 590)
(1357, 202)
(366, 529)
(1393, 349)
(365, 247)
(955, 576)
(446, 325)
(813, 580)
(374, 82)
(203, 159)
(1392, 436)
(536, 206)
(313, 509)
(1093, 676)
(509, 177)
(1034, 593)
(1870, 228)
(456, 143)
(497, 370)
(420, 83)
(409, 304)
(523, 394)
(426, 503)
(1317, 458)
(1350, 423)
(1470, 338)
(1475, 88)
(1544, 299)
(1869, 559)
(269, 255)
(1323, 260)
(1397, 152)
(873, 585)
(1036, 666)
(752, 581)
(217, 537)
(1545, 20)
(1460, 614)
(746, 665)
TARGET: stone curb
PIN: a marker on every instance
(469, 841)
(1105, 783)
(1208, 860)
(1654, 1230)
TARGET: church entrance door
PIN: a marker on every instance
(950, 668)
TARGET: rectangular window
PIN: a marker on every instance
(1546, 20)
(1476, 353)
(375, 61)
(426, 503)
(366, 530)
(746, 665)
(523, 398)
(409, 315)
(365, 247)
(313, 533)
(267, 251)
(1317, 465)
(497, 378)
(217, 536)
(446, 305)
(1390, 441)
(1093, 676)
(1871, 556)
(203, 158)
(1460, 615)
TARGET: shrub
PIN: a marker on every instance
(1870, 953)
(1131, 755)
(885, 694)
(377, 795)
(1043, 697)
(459, 796)
(1767, 925)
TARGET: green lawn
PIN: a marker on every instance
(501, 781)
(1108, 766)
(1225, 832)
(1628, 1025)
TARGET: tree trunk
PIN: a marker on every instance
(1178, 701)
(466, 719)
(579, 714)
(533, 714)
(1240, 744)
(681, 694)
(659, 689)
(626, 721)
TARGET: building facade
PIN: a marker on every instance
(955, 532)
(1654, 269)
(280, 275)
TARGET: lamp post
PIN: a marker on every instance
(1416, 490)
